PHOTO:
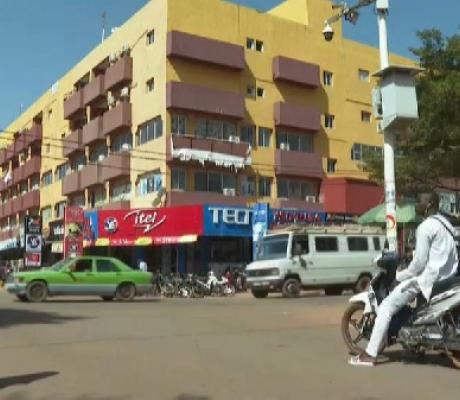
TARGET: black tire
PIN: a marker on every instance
(22, 297)
(291, 288)
(107, 298)
(455, 358)
(362, 284)
(259, 294)
(125, 292)
(36, 291)
(333, 290)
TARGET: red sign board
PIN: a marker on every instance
(74, 219)
(145, 226)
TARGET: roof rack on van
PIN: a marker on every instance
(350, 228)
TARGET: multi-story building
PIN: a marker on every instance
(203, 101)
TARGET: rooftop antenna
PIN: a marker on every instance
(103, 16)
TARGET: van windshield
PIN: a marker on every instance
(273, 247)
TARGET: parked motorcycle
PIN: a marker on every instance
(431, 326)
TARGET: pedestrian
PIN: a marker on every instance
(435, 259)
(142, 265)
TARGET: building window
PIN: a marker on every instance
(34, 183)
(328, 78)
(295, 190)
(59, 209)
(265, 186)
(23, 189)
(247, 134)
(96, 197)
(151, 37)
(363, 75)
(259, 46)
(214, 182)
(359, 151)
(98, 153)
(150, 183)
(251, 91)
(61, 171)
(260, 92)
(214, 129)
(78, 200)
(50, 113)
(150, 130)
(331, 165)
(150, 85)
(250, 44)
(265, 135)
(365, 116)
(329, 121)
(78, 162)
(178, 179)
(178, 124)
(47, 178)
(120, 191)
(46, 214)
(248, 186)
(122, 142)
(291, 141)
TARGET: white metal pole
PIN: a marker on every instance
(389, 143)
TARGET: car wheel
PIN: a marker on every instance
(22, 297)
(291, 288)
(107, 298)
(36, 291)
(126, 292)
(260, 294)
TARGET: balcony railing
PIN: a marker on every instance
(31, 200)
(296, 71)
(92, 131)
(72, 143)
(117, 118)
(94, 90)
(26, 170)
(297, 117)
(176, 198)
(116, 165)
(71, 183)
(91, 175)
(119, 74)
(73, 105)
(298, 163)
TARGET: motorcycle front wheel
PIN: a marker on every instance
(356, 328)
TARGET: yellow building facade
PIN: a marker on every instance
(193, 102)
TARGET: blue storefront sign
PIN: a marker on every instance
(227, 221)
(260, 226)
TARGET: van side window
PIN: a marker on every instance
(326, 243)
(377, 243)
(300, 245)
(357, 243)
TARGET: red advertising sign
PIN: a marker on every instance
(145, 226)
(33, 259)
(74, 219)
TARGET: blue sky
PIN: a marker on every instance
(42, 39)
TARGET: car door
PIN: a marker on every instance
(82, 277)
(300, 257)
(107, 276)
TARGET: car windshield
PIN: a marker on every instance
(59, 265)
(273, 247)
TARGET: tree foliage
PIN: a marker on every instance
(430, 151)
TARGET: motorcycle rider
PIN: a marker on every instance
(435, 259)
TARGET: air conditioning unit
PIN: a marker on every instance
(80, 167)
(111, 100)
(284, 146)
(229, 192)
(124, 92)
(126, 147)
(101, 157)
(234, 139)
(113, 58)
(310, 199)
(125, 49)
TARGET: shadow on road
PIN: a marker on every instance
(25, 379)
(187, 396)
(401, 356)
(90, 301)
(26, 396)
(13, 317)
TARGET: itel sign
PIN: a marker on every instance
(146, 220)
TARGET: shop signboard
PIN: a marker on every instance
(260, 225)
(227, 221)
(294, 216)
(90, 228)
(33, 241)
(147, 226)
(74, 218)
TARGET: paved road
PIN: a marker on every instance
(231, 348)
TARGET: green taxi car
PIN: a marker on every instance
(106, 277)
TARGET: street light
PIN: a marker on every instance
(396, 81)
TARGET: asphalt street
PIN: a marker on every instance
(199, 349)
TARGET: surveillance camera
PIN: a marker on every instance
(328, 32)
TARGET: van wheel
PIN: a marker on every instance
(260, 294)
(362, 284)
(291, 288)
(333, 291)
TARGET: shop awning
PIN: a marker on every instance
(146, 241)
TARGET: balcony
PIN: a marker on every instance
(194, 98)
(20, 143)
(298, 163)
(205, 50)
(31, 200)
(94, 90)
(91, 175)
(73, 105)
(71, 183)
(117, 118)
(92, 131)
(8, 208)
(116, 205)
(119, 74)
(297, 117)
(9, 152)
(178, 198)
(295, 71)
(26, 170)
(116, 165)
(16, 205)
(34, 134)
(72, 143)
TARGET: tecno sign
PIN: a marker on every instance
(231, 216)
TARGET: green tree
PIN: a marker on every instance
(430, 150)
